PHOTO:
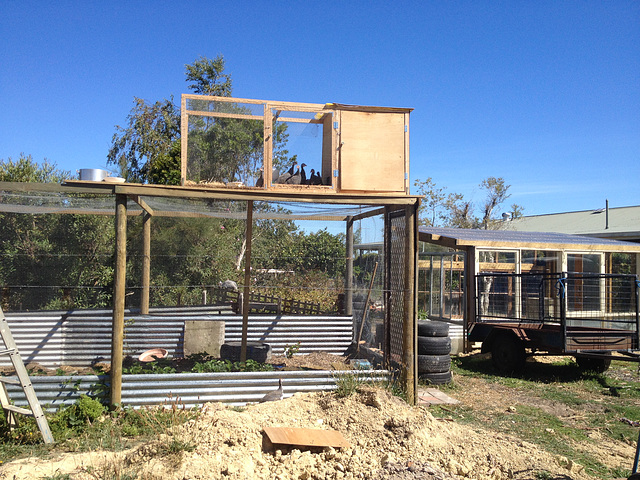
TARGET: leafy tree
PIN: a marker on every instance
(455, 211)
(166, 169)
(516, 210)
(431, 208)
(208, 77)
(26, 170)
(459, 212)
(496, 194)
(53, 261)
(150, 134)
(153, 128)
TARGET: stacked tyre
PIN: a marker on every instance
(434, 349)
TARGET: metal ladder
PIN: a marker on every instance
(10, 411)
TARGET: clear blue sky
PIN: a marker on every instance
(545, 94)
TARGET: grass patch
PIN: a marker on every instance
(555, 406)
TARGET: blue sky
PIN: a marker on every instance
(544, 94)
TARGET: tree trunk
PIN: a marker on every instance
(240, 256)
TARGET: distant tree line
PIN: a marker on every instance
(62, 261)
(442, 209)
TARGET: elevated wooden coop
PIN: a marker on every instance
(357, 149)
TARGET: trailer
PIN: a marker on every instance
(593, 317)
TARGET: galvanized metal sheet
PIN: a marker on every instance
(188, 389)
(80, 338)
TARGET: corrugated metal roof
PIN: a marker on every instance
(623, 223)
(460, 237)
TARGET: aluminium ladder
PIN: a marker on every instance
(24, 381)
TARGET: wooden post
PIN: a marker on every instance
(146, 263)
(117, 335)
(247, 283)
(348, 280)
(267, 156)
(410, 327)
(387, 286)
(184, 141)
(469, 294)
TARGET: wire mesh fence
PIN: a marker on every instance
(606, 301)
(57, 254)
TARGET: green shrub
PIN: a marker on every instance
(85, 411)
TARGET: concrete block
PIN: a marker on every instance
(203, 336)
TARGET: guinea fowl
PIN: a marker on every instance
(315, 180)
(260, 181)
(295, 178)
(286, 175)
(303, 175)
(274, 395)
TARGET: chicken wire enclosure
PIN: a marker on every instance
(224, 151)
(175, 245)
(232, 141)
(244, 143)
(441, 285)
(395, 287)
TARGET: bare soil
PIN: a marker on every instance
(388, 440)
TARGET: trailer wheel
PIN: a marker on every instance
(507, 353)
(587, 364)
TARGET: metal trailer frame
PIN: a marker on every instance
(554, 314)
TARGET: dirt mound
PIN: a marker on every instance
(389, 440)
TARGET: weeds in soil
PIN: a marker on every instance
(57, 476)
(291, 350)
(87, 426)
(543, 475)
(349, 383)
(113, 471)
(599, 402)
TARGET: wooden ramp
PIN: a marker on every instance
(433, 396)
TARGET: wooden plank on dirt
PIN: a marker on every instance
(307, 437)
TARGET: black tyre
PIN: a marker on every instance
(507, 353)
(434, 363)
(259, 352)
(598, 365)
(436, 378)
(434, 345)
(433, 329)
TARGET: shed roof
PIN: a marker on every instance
(620, 223)
(461, 238)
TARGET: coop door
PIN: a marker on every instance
(372, 151)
